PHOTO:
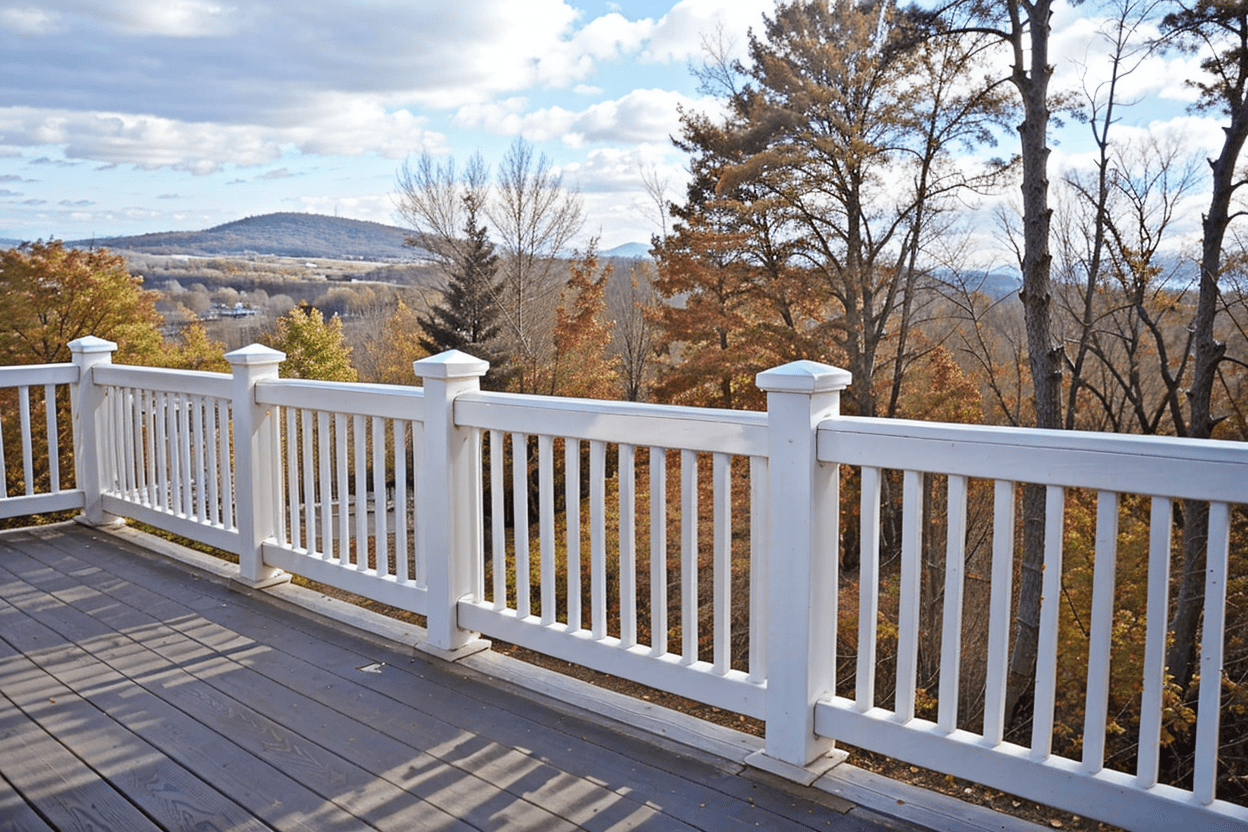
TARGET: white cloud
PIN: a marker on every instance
(640, 116)
(152, 142)
(679, 34)
(29, 20)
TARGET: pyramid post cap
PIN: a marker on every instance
(803, 377)
(89, 344)
(253, 355)
(451, 364)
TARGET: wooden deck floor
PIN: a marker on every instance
(137, 693)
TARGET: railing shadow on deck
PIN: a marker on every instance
(692, 550)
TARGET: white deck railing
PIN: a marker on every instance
(540, 521)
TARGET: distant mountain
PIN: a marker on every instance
(283, 235)
(633, 250)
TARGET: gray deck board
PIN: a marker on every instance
(181, 705)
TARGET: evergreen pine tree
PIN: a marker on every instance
(467, 318)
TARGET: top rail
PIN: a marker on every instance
(1196, 469)
(690, 428)
(37, 375)
(387, 401)
(189, 382)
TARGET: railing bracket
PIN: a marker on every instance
(805, 775)
(473, 647)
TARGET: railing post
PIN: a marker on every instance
(87, 403)
(802, 552)
(450, 489)
(254, 463)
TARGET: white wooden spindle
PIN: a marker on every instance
(546, 526)
(165, 459)
(4, 476)
(721, 553)
(955, 581)
(291, 447)
(758, 569)
(381, 531)
(343, 489)
(226, 463)
(908, 602)
(149, 439)
(688, 556)
(868, 587)
(399, 431)
(201, 467)
(999, 611)
(628, 546)
(28, 457)
(325, 489)
(185, 440)
(1050, 604)
(572, 503)
(1100, 623)
(498, 526)
(359, 446)
(54, 454)
(658, 551)
(1212, 649)
(214, 474)
(420, 564)
(520, 519)
(598, 538)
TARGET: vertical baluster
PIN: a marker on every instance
(213, 475)
(28, 457)
(1159, 534)
(115, 441)
(418, 551)
(201, 468)
(325, 485)
(868, 587)
(173, 436)
(307, 458)
(1212, 647)
(999, 610)
(54, 454)
(598, 537)
(520, 518)
(908, 602)
(498, 518)
(149, 412)
(689, 556)
(140, 445)
(1046, 649)
(398, 430)
(359, 445)
(1101, 623)
(4, 474)
(164, 460)
(955, 569)
(343, 489)
(758, 568)
(226, 462)
(277, 471)
(628, 545)
(658, 551)
(721, 606)
(291, 452)
(546, 526)
(572, 502)
(381, 529)
(184, 442)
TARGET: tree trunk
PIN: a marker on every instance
(1207, 354)
(1044, 358)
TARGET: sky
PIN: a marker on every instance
(135, 116)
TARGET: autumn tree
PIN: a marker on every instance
(583, 364)
(315, 348)
(836, 156)
(51, 295)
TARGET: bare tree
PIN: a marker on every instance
(431, 199)
(535, 218)
(630, 299)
